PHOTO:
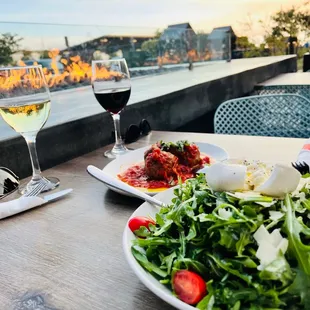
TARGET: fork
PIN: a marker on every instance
(302, 167)
(36, 190)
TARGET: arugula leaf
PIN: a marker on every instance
(206, 303)
(278, 270)
(206, 218)
(255, 199)
(155, 241)
(191, 264)
(142, 259)
(202, 196)
(179, 145)
(192, 234)
(236, 305)
(159, 219)
(245, 261)
(249, 211)
(166, 226)
(142, 232)
(232, 297)
(227, 267)
(168, 260)
(182, 248)
(244, 239)
(293, 229)
(228, 238)
(301, 287)
(178, 212)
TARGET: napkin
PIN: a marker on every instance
(19, 205)
(304, 154)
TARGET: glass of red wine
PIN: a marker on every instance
(111, 86)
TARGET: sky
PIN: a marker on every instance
(99, 17)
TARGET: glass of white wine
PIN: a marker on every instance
(25, 105)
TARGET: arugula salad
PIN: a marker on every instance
(228, 250)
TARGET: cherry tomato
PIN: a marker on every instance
(189, 286)
(136, 222)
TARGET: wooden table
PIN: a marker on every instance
(298, 78)
(68, 255)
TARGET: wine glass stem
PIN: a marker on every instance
(31, 143)
(117, 129)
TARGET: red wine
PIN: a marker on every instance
(113, 101)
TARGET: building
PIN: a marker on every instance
(176, 42)
(220, 41)
(113, 45)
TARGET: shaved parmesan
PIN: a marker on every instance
(226, 214)
(275, 215)
(269, 246)
(261, 234)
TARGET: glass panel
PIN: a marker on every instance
(58, 46)
(66, 51)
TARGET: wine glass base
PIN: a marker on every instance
(50, 184)
(115, 153)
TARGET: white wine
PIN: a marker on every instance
(26, 118)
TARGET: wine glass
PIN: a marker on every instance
(25, 105)
(111, 86)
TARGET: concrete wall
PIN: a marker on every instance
(167, 112)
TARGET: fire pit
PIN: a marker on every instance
(77, 73)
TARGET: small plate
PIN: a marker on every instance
(146, 278)
(120, 164)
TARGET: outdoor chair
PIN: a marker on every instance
(302, 90)
(284, 115)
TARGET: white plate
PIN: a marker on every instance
(146, 278)
(125, 161)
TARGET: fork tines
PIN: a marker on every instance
(302, 167)
(36, 190)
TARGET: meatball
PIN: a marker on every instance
(187, 153)
(191, 156)
(150, 150)
(160, 165)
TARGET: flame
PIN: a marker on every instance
(24, 109)
(192, 55)
(20, 79)
(168, 59)
(76, 71)
(53, 55)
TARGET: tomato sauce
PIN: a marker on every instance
(136, 176)
(205, 160)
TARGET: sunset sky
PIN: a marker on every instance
(135, 16)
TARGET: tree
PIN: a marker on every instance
(243, 43)
(286, 29)
(291, 23)
(158, 34)
(276, 44)
(27, 55)
(44, 54)
(151, 46)
(305, 22)
(287, 23)
(9, 44)
(248, 48)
